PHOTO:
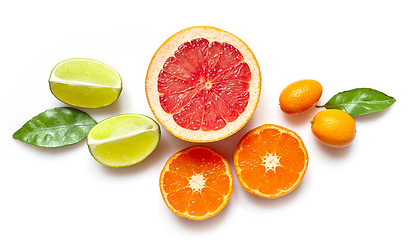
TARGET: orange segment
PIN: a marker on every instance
(212, 199)
(269, 184)
(196, 183)
(254, 144)
(174, 182)
(179, 199)
(220, 184)
(270, 161)
(182, 166)
(248, 160)
(197, 206)
(271, 138)
(214, 167)
(253, 176)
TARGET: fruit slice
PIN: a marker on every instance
(203, 84)
(86, 83)
(123, 140)
(196, 183)
(270, 161)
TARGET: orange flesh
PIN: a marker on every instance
(270, 161)
(196, 183)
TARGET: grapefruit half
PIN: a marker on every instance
(203, 84)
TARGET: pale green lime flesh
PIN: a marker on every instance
(86, 70)
(83, 96)
(123, 140)
(127, 151)
(87, 83)
(121, 125)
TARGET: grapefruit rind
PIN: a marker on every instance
(282, 191)
(167, 49)
(186, 214)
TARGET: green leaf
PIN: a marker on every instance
(56, 127)
(360, 101)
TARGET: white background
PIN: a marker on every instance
(357, 192)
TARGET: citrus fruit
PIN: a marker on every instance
(123, 140)
(203, 84)
(83, 82)
(300, 96)
(196, 183)
(334, 127)
(270, 161)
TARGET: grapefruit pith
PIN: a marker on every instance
(203, 84)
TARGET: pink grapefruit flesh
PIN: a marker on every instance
(207, 79)
(204, 86)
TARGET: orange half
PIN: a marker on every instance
(196, 183)
(270, 161)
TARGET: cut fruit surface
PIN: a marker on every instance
(270, 161)
(123, 140)
(87, 83)
(196, 183)
(203, 84)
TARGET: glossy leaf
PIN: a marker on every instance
(360, 101)
(56, 127)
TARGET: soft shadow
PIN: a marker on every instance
(113, 109)
(335, 153)
(371, 116)
(52, 151)
(206, 224)
(301, 118)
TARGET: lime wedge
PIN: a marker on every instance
(83, 82)
(123, 140)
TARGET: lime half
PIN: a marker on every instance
(87, 83)
(123, 140)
